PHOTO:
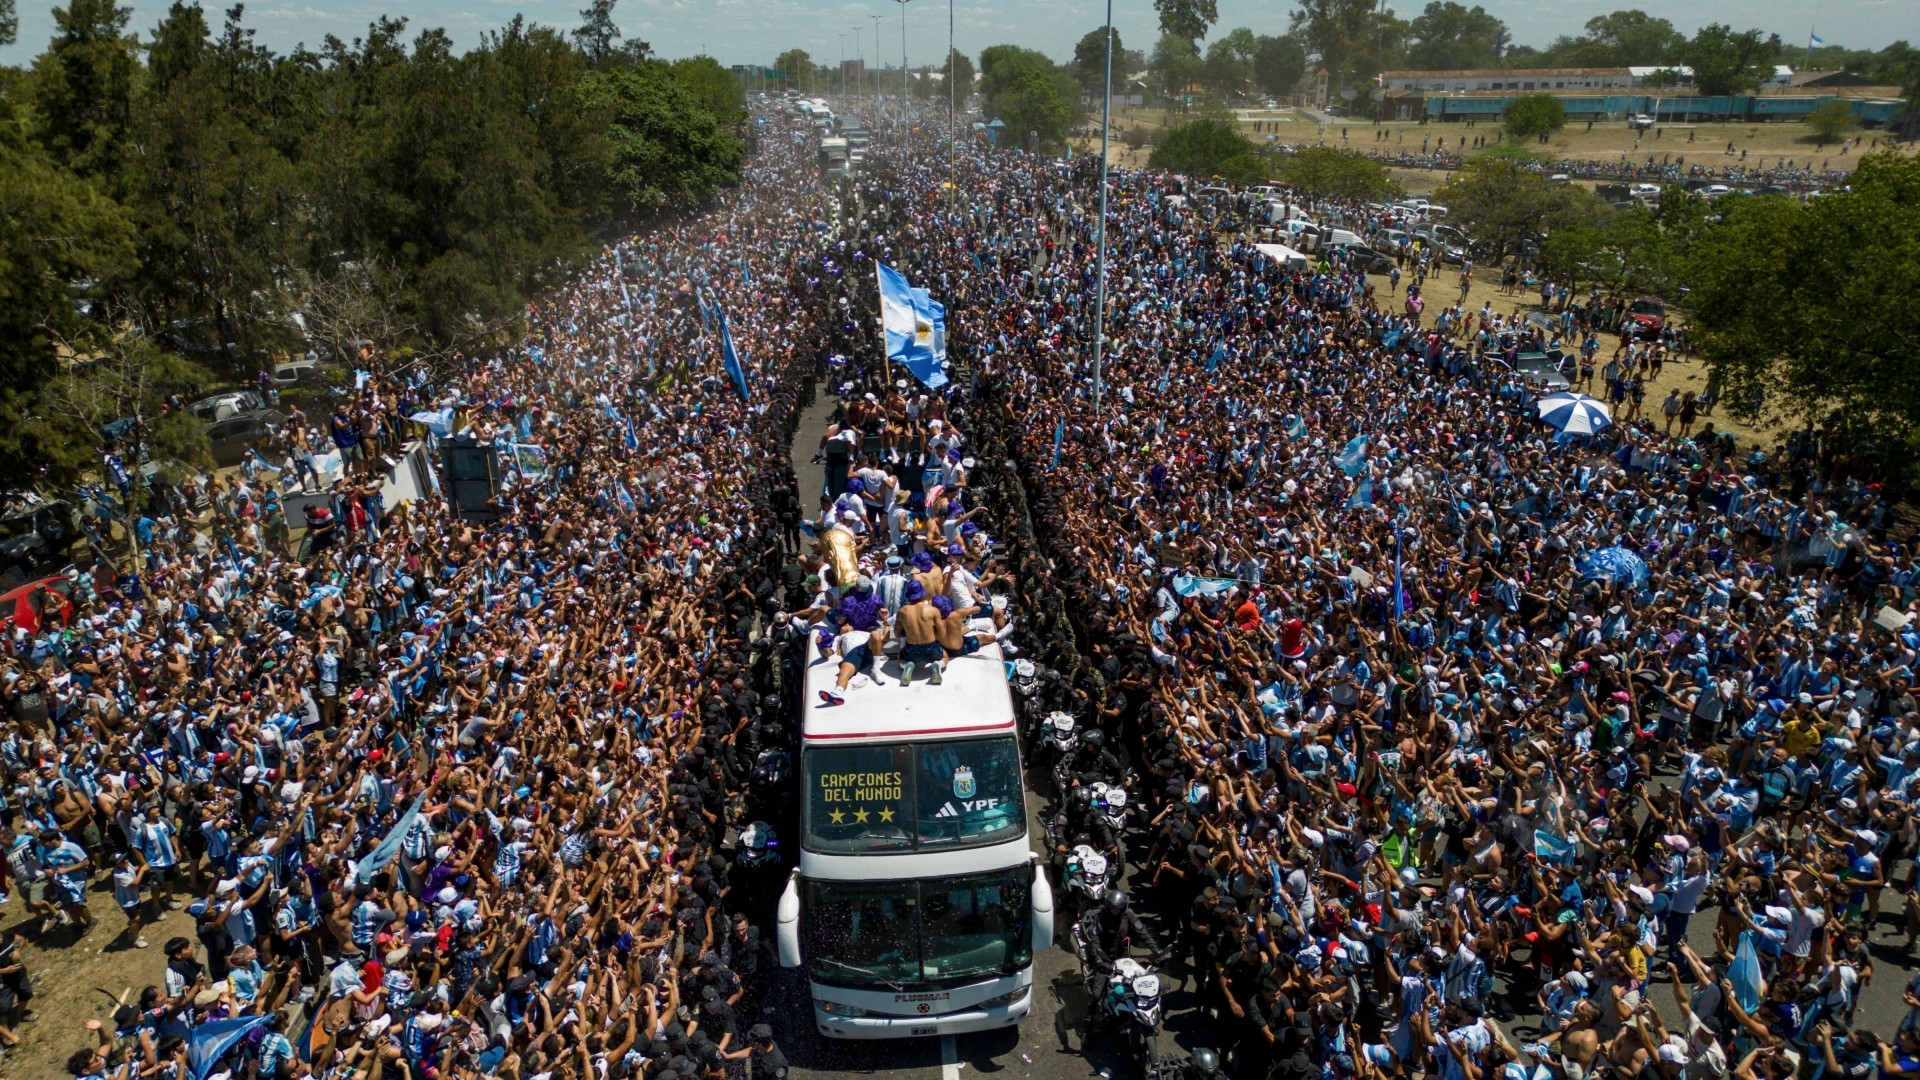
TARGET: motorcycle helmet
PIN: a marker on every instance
(1116, 901)
(1206, 1062)
(1094, 737)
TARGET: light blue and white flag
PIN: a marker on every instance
(1353, 460)
(909, 319)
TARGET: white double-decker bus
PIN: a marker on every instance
(917, 905)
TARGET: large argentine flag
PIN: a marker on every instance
(915, 327)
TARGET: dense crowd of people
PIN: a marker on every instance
(1439, 715)
(1435, 715)
(449, 796)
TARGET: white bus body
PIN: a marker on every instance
(918, 905)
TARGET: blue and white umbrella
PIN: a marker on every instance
(1576, 414)
(1615, 564)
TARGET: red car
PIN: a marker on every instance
(28, 605)
(1647, 317)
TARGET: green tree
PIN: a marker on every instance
(1725, 62)
(60, 238)
(9, 23)
(713, 86)
(1187, 19)
(1356, 39)
(1502, 204)
(799, 68)
(84, 86)
(960, 73)
(1175, 64)
(1208, 148)
(1278, 63)
(1530, 116)
(1449, 36)
(597, 36)
(1003, 65)
(1229, 63)
(1034, 103)
(1833, 119)
(1825, 338)
(667, 148)
(1090, 60)
(1328, 172)
(1634, 37)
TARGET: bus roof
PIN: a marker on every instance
(972, 699)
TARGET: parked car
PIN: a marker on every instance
(1539, 371)
(1447, 244)
(1367, 259)
(295, 373)
(1559, 178)
(230, 439)
(1645, 191)
(1639, 122)
(1647, 317)
(221, 406)
(36, 530)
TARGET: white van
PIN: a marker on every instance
(1344, 238)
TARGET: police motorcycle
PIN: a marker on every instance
(1122, 992)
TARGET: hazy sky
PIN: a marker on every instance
(754, 31)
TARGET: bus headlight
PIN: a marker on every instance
(1004, 1000)
(835, 1008)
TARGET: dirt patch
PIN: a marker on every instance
(69, 972)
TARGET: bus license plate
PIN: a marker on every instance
(924, 1031)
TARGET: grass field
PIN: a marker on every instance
(1699, 143)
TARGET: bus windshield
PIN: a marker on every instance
(918, 935)
(902, 796)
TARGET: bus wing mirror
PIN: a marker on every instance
(1042, 909)
(787, 923)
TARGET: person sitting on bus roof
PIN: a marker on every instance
(920, 623)
(857, 649)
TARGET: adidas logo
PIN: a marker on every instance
(947, 810)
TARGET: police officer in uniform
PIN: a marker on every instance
(766, 1062)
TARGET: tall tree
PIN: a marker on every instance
(1355, 38)
(1229, 64)
(666, 148)
(1725, 62)
(1175, 63)
(960, 73)
(597, 36)
(9, 23)
(1825, 340)
(1448, 36)
(1635, 36)
(1188, 19)
(59, 238)
(1034, 106)
(714, 86)
(1278, 63)
(799, 68)
(1090, 60)
(84, 86)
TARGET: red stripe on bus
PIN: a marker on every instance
(920, 731)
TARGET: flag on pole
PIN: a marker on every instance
(1059, 436)
(914, 325)
(1815, 38)
(1218, 354)
(728, 357)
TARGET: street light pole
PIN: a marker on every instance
(1100, 286)
(953, 189)
(843, 65)
(903, 68)
(876, 75)
(860, 54)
